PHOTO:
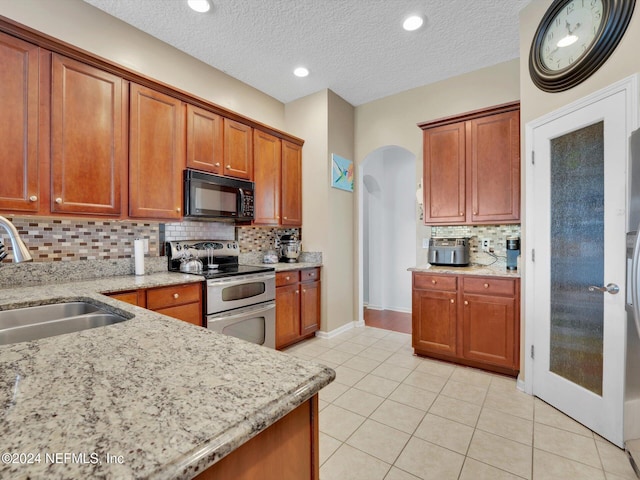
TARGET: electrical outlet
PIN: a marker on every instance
(485, 244)
(146, 245)
(425, 243)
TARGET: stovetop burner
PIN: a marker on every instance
(223, 253)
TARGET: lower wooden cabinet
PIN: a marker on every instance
(468, 319)
(183, 302)
(297, 305)
(287, 450)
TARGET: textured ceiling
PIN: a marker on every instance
(357, 48)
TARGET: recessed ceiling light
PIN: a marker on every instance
(301, 72)
(412, 23)
(200, 6)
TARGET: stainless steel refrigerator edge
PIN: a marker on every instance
(632, 370)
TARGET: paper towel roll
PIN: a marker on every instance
(138, 253)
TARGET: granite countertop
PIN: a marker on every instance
(284, 267)
(151, 397)
(498, 269)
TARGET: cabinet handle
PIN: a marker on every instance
(287, 278)
(312, 274)
(178, 209)
(461, 214)
(176, 295)
(486, 285)
(58, 200)
(475, 212)
(217, 164)
(33, 198)
(466, 303)
(434, 282)
(304, 291)
(228, 167)
(452, 300)
(297, 292)
(285, 218)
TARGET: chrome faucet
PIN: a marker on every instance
(20, 251)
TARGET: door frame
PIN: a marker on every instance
(629, 86)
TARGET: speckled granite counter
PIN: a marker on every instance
(164, 398)
(498, 269)
(283, 267)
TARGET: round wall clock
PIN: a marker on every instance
(574, 39)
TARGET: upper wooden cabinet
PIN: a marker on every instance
(156, 154)
(238, 150)
(267, 156)
(472, 167)
(88, 155)
(205, 133)
(291, 203)
(19, 97)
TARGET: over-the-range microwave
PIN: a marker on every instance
(212, 197)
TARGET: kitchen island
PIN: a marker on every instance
(150, 397)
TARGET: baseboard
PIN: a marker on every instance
(335, 332)
(374, 307)
(389, 309)
(520, 384)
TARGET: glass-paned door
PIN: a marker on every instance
(578, 222)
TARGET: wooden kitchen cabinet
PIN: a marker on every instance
(183, 301)
(19, 133)
(287, 450)
(205, 133)
(156, 154)
(468, 319)
(298, 305)
(278, 181)
(291, 203)
(238, 150)
(472, 167)
(267, 160)
(88, 139)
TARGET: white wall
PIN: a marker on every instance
(388, 228)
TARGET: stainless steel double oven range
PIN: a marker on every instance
(240, 299)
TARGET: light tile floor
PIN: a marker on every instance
(395, 416)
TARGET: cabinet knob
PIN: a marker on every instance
(434, 282)
(228, 167)
(287, 278)
(176, 295)
(304, 291)
(178, 209)
(452, 300)
(466, 303)
(486, 285)
(285, 218)
(297, 292)
(475, 212)
(312, 274)
(33, 198)
(217, 164)
(58, 200)
(461, 214)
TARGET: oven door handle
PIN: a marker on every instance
(244, 281)
(255, 311)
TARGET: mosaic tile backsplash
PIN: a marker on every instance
(497, 235)
(253, 239)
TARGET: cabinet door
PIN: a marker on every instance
(434, 321)
(157, 154)
(238, 150)
(87, 146)
(267, 155)
(134, 297)
(310, 308)
(444, 174)
(19, 125)
(204, 140)
(489, 330)
(287, 314)
(494, 158)
(291, 184)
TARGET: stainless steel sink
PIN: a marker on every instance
(32, 323)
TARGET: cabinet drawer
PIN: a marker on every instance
(287, 278)
(489, 286)
(310, 275)
(434, 282)
(174, 295)
(134, 297)
(191, 313)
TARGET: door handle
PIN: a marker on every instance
(611, 288)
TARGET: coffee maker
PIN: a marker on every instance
(513, 252)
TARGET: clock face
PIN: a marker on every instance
(570, 33)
